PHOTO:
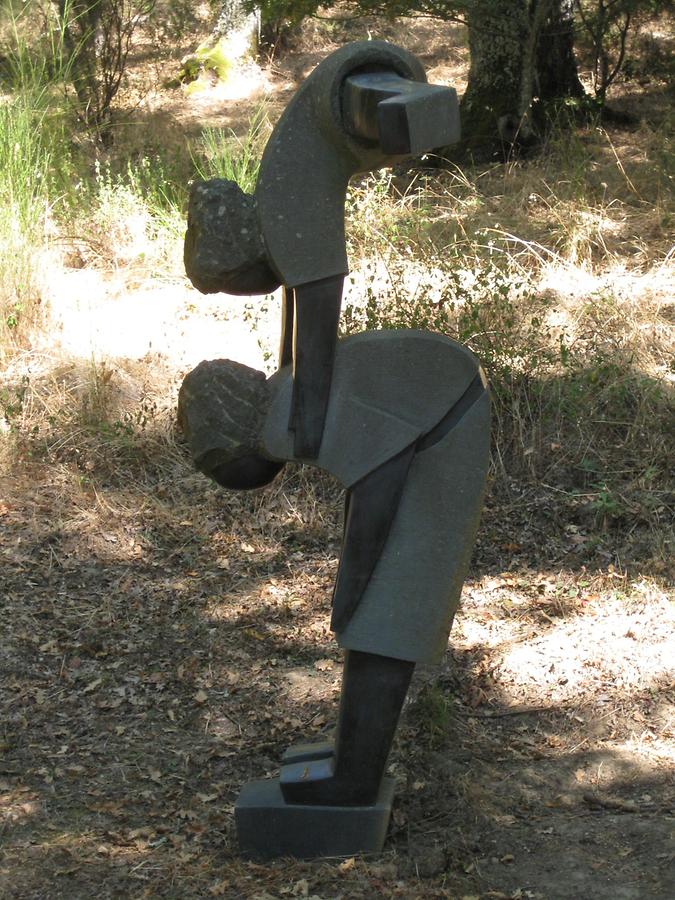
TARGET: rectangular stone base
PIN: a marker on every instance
(269, 827)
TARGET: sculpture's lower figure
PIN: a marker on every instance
(350, 772)
(331, 798)
(407, 432)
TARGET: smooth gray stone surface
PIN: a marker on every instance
(403, 116)
(268, 827)
(416, 125)
(388, 389)
(298, 771)
(309, 160)
(407, 608)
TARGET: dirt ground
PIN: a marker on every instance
(162, 642)
(161, 646)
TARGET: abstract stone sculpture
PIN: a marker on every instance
(365, 106)
(400, 418)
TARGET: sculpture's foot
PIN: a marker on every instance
(268, 826)
(319, 781)
(308, 750)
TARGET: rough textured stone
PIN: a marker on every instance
(224, 250)
(408, 606)
(222, 405)
(388, 389)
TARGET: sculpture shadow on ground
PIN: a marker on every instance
(138, 697)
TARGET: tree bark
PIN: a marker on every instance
(235, 36)
(557, 73)
(238, 25)
(521, 53)
(79, 21)
(498, 32)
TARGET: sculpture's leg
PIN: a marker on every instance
(370, 508)
(287, 320)
(373, 692)
(333, 803)
(315, 325)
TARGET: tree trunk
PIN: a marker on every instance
(557, 73)
(498, 31)
(239, 27)
(521, 53)
(234, 38)
(79, 21)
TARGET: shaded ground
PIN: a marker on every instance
(162, 643)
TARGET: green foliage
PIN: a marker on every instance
(171, 20)
(96, 41)
(481, 301)
(608, 27)
(221, 154)
(215, 59)
(34, 166)
(648, 57)
(278, 16)
(148, 178)
(607, 504)
(12, 400)
(208, 57)
(135, 212)
(24, 165)
(291, 12)
(432, 713)
(25, 159)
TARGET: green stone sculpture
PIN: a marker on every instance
(400, 418)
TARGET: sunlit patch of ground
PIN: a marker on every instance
(95, 317)
(553, 642)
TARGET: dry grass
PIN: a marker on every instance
(557, 270)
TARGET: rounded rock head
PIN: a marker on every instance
(224, 250)
(222, 406)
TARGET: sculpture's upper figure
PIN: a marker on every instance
(365, 106)
(333, 128)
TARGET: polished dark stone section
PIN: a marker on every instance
(268, 827)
